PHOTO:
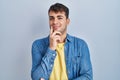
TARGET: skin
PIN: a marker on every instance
(58, 29)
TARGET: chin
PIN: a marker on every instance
(57, 30)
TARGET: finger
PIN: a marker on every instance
(57, 38)
(51, 29)
(56, 33)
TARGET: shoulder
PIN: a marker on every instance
(77, 40)
(42, 41)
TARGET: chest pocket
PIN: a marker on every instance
(76, 65)
(76, 60)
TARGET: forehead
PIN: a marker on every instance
(52, 13)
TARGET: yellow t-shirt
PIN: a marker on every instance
(59, 68)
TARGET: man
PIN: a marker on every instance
(60, 56)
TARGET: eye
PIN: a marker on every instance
(60, 18)
(50, 18)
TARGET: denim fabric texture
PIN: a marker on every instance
(77, 59)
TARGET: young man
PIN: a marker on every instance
(60, 56)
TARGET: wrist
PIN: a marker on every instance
(52, 48)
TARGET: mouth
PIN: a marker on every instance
(55, 27)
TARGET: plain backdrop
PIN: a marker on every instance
(95, 21)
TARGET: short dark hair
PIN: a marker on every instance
(58, 7)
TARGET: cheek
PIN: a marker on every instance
(50, 23)
(62, 22)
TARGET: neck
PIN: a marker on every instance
(63, 37)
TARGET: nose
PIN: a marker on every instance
(55, 21)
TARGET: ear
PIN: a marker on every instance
(68, 21)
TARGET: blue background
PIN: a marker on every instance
(95, 21)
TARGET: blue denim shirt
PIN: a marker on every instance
(77, 59)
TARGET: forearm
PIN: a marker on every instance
(44, 68)
(86, 76)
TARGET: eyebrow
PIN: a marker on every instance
(57, 16)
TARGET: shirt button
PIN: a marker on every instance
(68, 72)
(51, 65)
(64, 47)
(53, 54)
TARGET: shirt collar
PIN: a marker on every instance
(68, 38)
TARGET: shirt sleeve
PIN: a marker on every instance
(41, 65)
(85, 64)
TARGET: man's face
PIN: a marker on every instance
(58, 21)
